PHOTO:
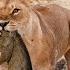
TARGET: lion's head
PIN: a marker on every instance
(13, 14)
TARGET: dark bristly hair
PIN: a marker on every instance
(24, 52)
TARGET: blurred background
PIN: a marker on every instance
(64, 3)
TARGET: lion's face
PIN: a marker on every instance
(14, 12)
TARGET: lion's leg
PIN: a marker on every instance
(67, 56)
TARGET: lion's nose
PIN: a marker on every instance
(3, 24)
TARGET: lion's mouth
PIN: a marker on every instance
(10, 27)
(2, 30)
(7, 28)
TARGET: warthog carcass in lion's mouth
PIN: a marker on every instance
(13, 51)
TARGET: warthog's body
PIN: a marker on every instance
(14, 52)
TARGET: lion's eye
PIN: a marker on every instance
(15, 11)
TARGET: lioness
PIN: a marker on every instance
(44, 29)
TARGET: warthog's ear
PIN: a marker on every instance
(27, 2)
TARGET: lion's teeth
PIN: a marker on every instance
(0, 28)
(0, 54)
(0, 33)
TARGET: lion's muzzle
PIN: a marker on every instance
(3, 24)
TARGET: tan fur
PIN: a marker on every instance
(45, 31)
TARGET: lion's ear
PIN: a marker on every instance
(27, 2)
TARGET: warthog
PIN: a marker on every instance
(13, 51)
